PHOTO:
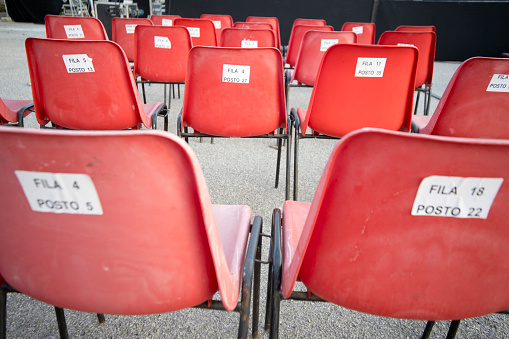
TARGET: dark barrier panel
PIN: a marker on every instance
(32, 10)
(464, 29)
(334, 12)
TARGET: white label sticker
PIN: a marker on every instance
(499, 83)
(78, 63)
(60, 192)
(217, 24)
(162, 42)
(456, 197)
(236, 73)
(249, 44)
(74, 31)
(370, 67)
(129, 29)
(358, 29)
(407, 45)
(167, 22)
(326, 43)
(194, 32)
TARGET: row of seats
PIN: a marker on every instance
(397, 253)
(378, 218)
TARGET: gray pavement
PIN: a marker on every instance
(238, 171)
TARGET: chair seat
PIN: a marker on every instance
(295, 214)
(13, 106)
(233, 223)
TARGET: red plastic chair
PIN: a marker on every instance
(365, 31)
(409, 28)
(122, 32)
(296, 41)
(300, 21)
(161, 57)
(474, 104)
(254, 105)
(271, 20)
(85, 84)
(358, 86)
(202, 31)
(426, 44)
(13, 111)
(162, 247)
(74, 27)
(220, 21)
(254, 25)
(164, 20)
(247, 38)
(367, 243)
(313, 47)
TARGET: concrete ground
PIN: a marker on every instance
(237, 172)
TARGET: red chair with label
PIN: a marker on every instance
(164, 19)
(247, 38)
(14, 111)
(411, 28)
(254, 106)
(474, 104)
(296, 41)
(122, 32)
(162, 247)
(365, 31)
(86, 84)
(220, 21)
(254, 25)
(202, 31)
(426, 44)
(161, 57)
(313, 47)
(74, 27)
(375, 89)
(271, 20)
(299, 21)
(378, 237)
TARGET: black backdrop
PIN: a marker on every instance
(464, 29)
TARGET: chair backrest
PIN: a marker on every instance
(254, 25)
(202, 31)
(390, 237)
(313, 47)
(220, 21)
(375, 89)
(409, 28)
(161, 53)
(248, 38)
(9, 110)
(314, 22)
(271, 20)
(308, 22)
(234, 91)
(425, 43)
(164, 19)
(122, 32)
(475, 102)
(74, 27)
(296, 41)
(83, 84)
(69, 240)
(365, 31)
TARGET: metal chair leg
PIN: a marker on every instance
(278, 163)
(427, 330)
(3, 314)
(453, 328)
(62, 326)
(276, 275)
